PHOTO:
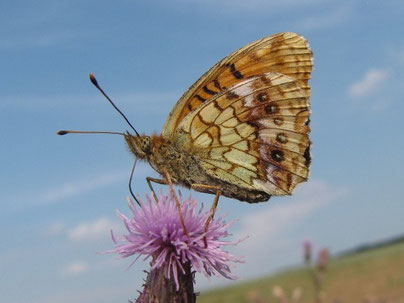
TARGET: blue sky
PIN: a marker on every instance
(59, 194)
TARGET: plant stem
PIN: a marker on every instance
(159, 289)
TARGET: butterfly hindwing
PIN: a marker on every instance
(253, 134)
(285, 53)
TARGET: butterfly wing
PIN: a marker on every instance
(285, 53)
(253, 135)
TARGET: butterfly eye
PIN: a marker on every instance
(145, 144)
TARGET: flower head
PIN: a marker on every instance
(155, 231)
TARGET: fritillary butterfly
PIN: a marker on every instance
(242, 128)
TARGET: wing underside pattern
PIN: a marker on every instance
(285, 53)
(253, 134)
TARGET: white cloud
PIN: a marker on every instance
(74, 269)
(92, 231)
(371, 81)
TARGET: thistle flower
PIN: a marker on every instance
(155, 232)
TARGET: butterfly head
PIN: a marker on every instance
(140, 146)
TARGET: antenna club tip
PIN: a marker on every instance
(93, 80)
(62, 132)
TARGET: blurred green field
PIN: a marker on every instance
(374, 275)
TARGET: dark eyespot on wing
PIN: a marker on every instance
(271, 109)
(262, 97)
(282, 138)
(277, 155)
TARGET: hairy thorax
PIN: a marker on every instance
(183, 167)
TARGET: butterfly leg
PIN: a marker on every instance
(203, 188)
(177, 202)
(158, 181)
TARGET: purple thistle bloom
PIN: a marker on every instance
(156, 231)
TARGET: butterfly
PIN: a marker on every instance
(242, 129)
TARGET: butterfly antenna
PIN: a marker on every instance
(94, 81)
(130, 183)
(65, 132)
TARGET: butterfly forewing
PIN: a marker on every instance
(285, 53)
(253, 134)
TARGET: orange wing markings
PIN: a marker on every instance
(275, 96)
(281, 92)
(286, 53)
(298, 69)
(284, 61)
